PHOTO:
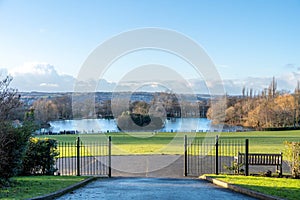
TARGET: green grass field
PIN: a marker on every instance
(281, 187)
(172, 143)
(25, 187)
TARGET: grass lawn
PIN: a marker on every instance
(25, 187)
(172, 143)
(281, 187)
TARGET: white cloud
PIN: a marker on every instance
(286, 82)
(37, 76)
(36, 68)
(53, 85)
(289, 80)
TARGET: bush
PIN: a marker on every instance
(40, 157)
(13, 143)
(293, 156)
(235, 167)
(139, 122)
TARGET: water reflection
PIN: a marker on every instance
(109, 125)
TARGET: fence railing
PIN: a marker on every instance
(84, 158)
(211, 155)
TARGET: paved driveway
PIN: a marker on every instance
(151, 188)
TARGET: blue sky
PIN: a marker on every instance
(256, 38)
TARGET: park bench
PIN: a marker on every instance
(261, 159)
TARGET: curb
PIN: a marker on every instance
(239, 189)
(65, 190)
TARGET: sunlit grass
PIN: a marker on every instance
(33, 186)
(281, 187)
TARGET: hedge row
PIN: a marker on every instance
(23, 155)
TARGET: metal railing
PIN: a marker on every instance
(211, 155)
(88, 158)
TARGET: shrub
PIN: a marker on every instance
(235, 167)
(40, 157)
(293, 156)
(139, 122)
(13, 143)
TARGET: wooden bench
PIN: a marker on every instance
(262, 159)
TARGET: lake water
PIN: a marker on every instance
(109, 125)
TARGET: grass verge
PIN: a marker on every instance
(286, 188)
(25, 187)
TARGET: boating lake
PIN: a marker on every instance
(109, 125)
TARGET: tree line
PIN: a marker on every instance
(267, 109)
(80, 106)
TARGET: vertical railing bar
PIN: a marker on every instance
(90, 158)
(194, 156)
(96, 159)
(78, 156)
(93, 157)
(246, 157)
(201, 148)
(211, 149)
(71, 156)
(84, 157)
(72, 160)
(62, 159)
(109, 156)
(65, 158)
(70, 170)
(185, 156)
(198, 156)
(102, 156)
(217, 155)
(191, 165)
(105, 151)
(99, 159)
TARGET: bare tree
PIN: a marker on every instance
(45, 111)
(9, 99)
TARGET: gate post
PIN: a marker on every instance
(78, 156)
(246, 158)
(109, 156)
(185, 156)
(217, 155)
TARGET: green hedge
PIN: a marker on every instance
(40, 157)
(13, 143)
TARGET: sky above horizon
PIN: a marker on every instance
(248, 41)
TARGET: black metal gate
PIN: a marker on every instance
(211, 155)
(88, 158)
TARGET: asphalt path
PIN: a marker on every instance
(151, 188)
(159, 166)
